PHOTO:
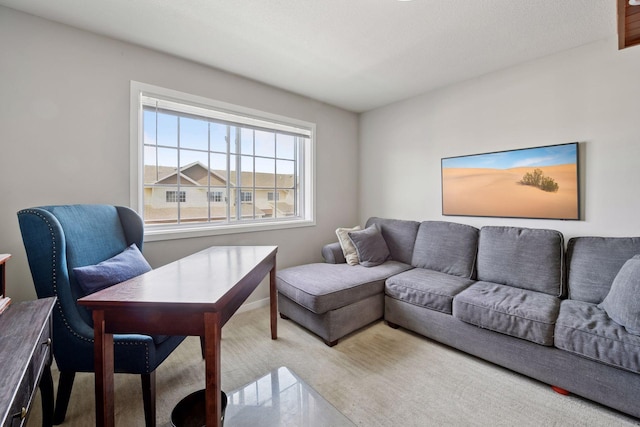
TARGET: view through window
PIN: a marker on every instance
(215, 167)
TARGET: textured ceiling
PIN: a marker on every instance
(355, 54)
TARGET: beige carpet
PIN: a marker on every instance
(377, 377)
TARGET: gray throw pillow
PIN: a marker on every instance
(622, 303)
(370, 245)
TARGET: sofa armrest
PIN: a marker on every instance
(332, 253)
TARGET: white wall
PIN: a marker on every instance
(64, 136)
(590, 94)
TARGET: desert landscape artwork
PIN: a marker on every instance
(539, 182)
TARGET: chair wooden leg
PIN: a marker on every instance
(149, 398)
(65, 384)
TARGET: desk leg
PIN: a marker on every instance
(212, 337)
(273, 299)
(103, 364)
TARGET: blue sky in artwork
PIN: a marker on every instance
(540, 156)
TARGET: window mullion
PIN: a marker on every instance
(156, 150)
(275, 175)
(178, 171)
(209, 171)
(253, 190)
(228, 172)
(297, 174)
(238, 195)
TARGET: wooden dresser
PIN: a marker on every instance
(25, 361)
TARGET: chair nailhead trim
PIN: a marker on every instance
(55, 290)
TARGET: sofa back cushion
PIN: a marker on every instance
(593, 263)
(522, 257)
(446, 247)
(400, 236)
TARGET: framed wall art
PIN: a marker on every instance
(538, 182)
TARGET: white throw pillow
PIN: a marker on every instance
(346, 244)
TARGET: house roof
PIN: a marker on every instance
(195, 174)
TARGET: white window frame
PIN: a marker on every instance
(178, 231)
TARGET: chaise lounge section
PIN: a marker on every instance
(334, 299)
(512, 296)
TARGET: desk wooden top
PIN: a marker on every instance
(206, 280)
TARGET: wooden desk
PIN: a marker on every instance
(25, 361)
(195, 295)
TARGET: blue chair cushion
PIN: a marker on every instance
(124, 266)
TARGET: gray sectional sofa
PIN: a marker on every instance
(512, 296)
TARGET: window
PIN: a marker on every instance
(176, 196)
(215, 196)
(246, 196)
(206, 167)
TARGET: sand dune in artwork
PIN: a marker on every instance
(498, 192)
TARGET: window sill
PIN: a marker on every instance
(155, 234)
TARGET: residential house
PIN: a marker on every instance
(206, 195)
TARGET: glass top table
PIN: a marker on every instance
(281, 398)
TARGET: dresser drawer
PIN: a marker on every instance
(26, 390)
(25, 351)
(20, 406)
(41, 354)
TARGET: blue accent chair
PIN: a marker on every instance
(60, 238)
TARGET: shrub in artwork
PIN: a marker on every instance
(537, 179)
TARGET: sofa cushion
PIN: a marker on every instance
(447, 247)
(323, 287)
(583, 328)
(522, 257)
(400, 236)
(370, 245)
(622, 303)
(521, 313)
(426, 288)
(348, 250)
(593, 263)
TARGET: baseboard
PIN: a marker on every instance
(253, 305)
